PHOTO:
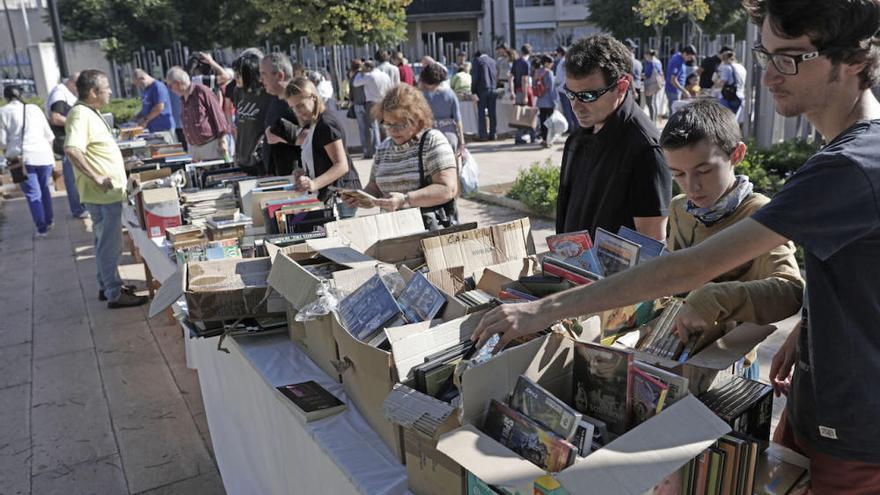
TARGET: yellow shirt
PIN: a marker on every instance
(87, 132)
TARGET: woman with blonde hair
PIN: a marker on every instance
(325, 161)
(414, 167)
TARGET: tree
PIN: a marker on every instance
(658, 13)
(616, 17)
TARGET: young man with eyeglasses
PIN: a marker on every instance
(820, 60)
(613, 171)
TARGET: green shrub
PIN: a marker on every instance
(123, 109)
(768, 168)
(537, 187)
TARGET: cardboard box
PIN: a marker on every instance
(475, 249)
(407, 250)
(362, 232)
(159, 209)
(631, 464)
(220, 290)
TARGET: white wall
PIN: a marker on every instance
(80, 55)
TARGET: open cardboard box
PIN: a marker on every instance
(478, 248)
(220, 290)
(406, 250)
(631, 464)
(298, 287)
(363, 232)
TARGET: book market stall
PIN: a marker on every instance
(334, 356)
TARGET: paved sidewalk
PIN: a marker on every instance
(92, 401)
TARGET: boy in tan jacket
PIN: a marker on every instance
(702, 145)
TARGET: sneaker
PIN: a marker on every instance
(127, 289)
(84, 214)
(41, 235)
(50, 226)
(519, 141)
(126, 300)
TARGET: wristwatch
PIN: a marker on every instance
(406, 203)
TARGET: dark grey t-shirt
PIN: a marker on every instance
(831, 207)
(250, 116)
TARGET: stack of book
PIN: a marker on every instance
(536, 425)
(185, 236)
(726, 468)
(661, 341)
(199, 205)
(227, 225)
(295, 215)
(474, 298)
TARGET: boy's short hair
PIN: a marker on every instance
(847, 27)
(702, 119)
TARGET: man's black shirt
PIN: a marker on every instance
(281, 158)
(709, 66)
(611, 177)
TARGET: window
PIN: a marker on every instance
(536, 3)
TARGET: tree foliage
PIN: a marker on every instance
(616, 17)
(658, 13)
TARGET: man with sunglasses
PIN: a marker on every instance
(820, 60)
(613, 171)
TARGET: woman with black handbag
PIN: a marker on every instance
(414, 167)
(27, 139)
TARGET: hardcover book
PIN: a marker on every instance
(534, 401)
(602, 385)
(311, 400)
(527, 438)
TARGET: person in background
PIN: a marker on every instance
(504, 57)
(483, 85)
(415, 168)
(708, 68)
(376, 83)
(559, 75)
(61, 99)
(638, 79)
(519, 76)
(155, 114)
(324, 158)
(703, 145)
(444, 105)
(204, 124)
(692, 84)
(731, 80)
(281, 126)
(613, 172)
(546, 102)
(428, 60)
(676, 75)
(653, 83)
(323, 85)
(251, 104)
(205, 70)
(100, 179)
(406, 72)
(25, 134)
(383, 59)
(461, 81)
(359, 101)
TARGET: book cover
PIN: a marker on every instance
(420, 299)
(677, 384)
(368, 308)
(732, 450)
(701, 473)
(527, 438)
(583, 438)
(717, 461)
(649, 248)
(602, 385)
(614, 252)
(774, 476)
(648, 396)
(312, 400)
(576, 248)
(537, 403)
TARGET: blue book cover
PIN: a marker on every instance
(368, 309)
(650, 247)
(420, 300)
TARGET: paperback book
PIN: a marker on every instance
(602, 385)
(420, 300)
(311, 400)
(527, 438)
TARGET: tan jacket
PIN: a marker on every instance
(765, 290)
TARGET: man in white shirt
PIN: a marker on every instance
(375, 83)
(384, 60)
(61, 100)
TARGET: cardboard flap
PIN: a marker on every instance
(495, 378)
(349, 280)
(348, 257)
(363, 232)
(292, 281)
(411, 351)
(639, 459)
(479, 248)
(732, 347)
(551, 366)
(449, 280)
(408, 248)
(489, 460)
(171, 290)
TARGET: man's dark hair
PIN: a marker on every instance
(690, 50)
(13, 92)
(87, 81)
(526, 49)
(247, 65)
(725, 48)
(703, 119)
(598, 53)
(546, 59)
(847, 26)
(433, 74)
(382, 56)
(560, 50)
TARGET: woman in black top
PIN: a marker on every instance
(251, 102)
(325, 161)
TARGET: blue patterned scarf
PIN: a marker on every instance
(726, 205)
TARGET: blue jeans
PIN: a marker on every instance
(372, 127)
(76, 208)
(107, 226)
(39, 198)
(487, 103)
(363, 122)
(565, 103)
(670, 99)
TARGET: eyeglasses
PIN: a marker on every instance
(787, 65)
(587, 96)
(395, 127)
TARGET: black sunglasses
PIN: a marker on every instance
(587, 96)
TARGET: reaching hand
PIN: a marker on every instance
(510, 321)
(305, 184)
(688, 323)
(783, 361)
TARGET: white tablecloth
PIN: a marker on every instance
(151, 250)
(262, 447)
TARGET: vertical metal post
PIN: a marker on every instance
(14, 45)
(512, 20)
(54, 19)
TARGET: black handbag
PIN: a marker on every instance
(728, 91)
(440, 216)
(16, 164)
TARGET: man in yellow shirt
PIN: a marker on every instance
(100, 181)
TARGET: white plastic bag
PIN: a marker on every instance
(469, 178)
(556, 126)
